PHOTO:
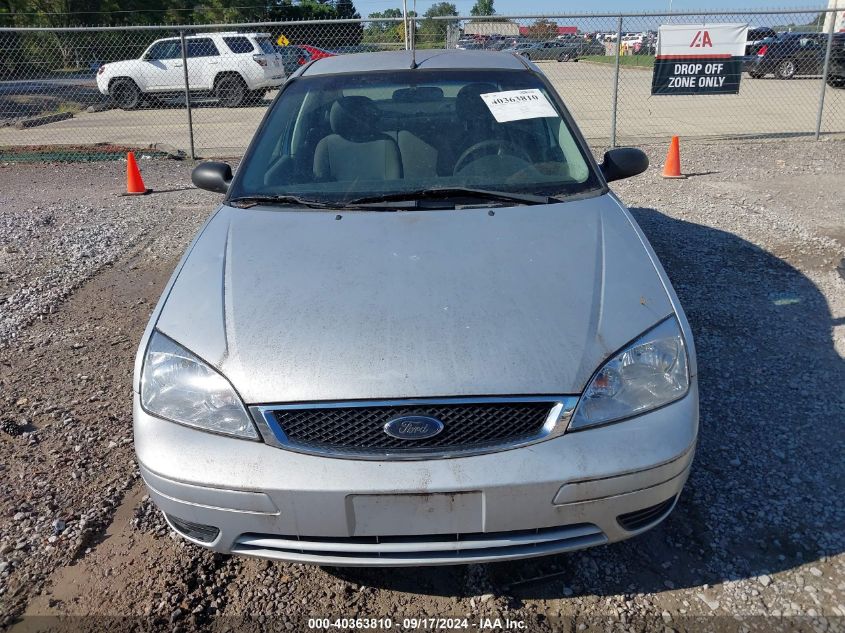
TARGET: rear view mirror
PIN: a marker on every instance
(212, 176)
(623, 162)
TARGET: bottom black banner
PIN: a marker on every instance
(492, 623)
(694, 76)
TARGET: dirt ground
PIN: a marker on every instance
(752, 242)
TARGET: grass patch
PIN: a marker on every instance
(68, 106)
(430, 45)
(72, 153)
(636, 61)
(70, 71)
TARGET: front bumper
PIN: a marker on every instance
(837, 67)
(759, 65)
(103, 84)
(558, 495)
(275, 81)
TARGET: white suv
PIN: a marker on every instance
(233, 67)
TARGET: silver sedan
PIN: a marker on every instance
(420, 329)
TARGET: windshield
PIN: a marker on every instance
(339, 138)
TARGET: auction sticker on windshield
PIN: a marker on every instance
(515, 105)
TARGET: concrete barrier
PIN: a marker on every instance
(43, 120)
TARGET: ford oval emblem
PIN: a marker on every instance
(413, 427)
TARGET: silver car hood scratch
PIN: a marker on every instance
(295, 305)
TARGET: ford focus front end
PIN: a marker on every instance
(394, 346)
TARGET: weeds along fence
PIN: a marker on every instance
(200, 89)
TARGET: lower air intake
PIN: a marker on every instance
(633, 521)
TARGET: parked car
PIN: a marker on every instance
(469, 44)
(520, 47)
(418, 330)
(560, 50)
(787, 56)
(316, 53)
(757, 35)
(498, 45)
(836, 71)
(357, 48)
(512, 41)
(591, 47)
(552, 49)
(233, 67)
(495, 43)
(294, 56)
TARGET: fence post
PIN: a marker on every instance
(825, 72)
(187, 93)
(405, 21)
(616, 83)
(413, 36)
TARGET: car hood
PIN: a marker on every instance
(294, 305)
(125, 65)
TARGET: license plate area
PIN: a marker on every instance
(415, 514)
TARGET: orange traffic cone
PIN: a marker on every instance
(672, 169)
(134, 182)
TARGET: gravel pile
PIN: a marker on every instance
(751, 242)
(53, 238)
(66, 349)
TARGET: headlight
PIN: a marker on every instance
(650, 372)
(178, 386)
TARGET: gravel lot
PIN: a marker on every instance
(752, 243)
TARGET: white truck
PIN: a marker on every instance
(235, 68)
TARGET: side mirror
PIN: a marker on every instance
(212, 176)
(623, 162)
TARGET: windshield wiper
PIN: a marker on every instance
(245, 202)
(453, 192)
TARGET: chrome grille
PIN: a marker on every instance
(357, 428)
(363, 427)
(437, 549)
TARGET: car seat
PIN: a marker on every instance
(356, 149)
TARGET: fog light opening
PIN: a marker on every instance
(196, 531)
(637, 520)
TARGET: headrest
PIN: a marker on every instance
(468, 103)
(354, 118)
(418, 94)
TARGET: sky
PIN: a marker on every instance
(521, 7)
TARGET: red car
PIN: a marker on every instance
(316, 53)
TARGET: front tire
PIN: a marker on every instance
(125, 93)
(755, 74)
(157, 102)
(230, 91)
(256, 97)
(786, 69)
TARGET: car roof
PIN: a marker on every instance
(426, 59)
(229, 34)
(221, 34)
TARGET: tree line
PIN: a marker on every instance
(63, 13)
(35, 54)
(69, 13)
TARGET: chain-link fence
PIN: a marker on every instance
(202, 90)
